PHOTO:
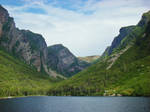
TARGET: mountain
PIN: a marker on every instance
(32, 48)
(127, 36)
(124, 68)
(63, 61)
(89, 59)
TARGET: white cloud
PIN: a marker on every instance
(84, 34)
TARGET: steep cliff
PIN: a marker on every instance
(124, 32)
(63, 61)
(127, 35)
(28, 46)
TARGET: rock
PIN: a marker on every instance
(113, 94)
(145, 19)
(119, 95)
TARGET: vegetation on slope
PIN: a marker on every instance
(89, 59)
(130, 75)
(20, 79)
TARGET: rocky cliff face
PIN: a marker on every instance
(145, 19)
(127, 35)
(63, 61)
(32, 48)
(28, 46)
(117, 41)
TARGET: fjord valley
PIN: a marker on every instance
(29, 67)
(123, 69)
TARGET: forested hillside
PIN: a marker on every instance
(20, 79)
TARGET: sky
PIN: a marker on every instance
(85, 27)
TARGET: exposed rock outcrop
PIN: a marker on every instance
(27, 45)
(145, 19)
(63, 61)
(117, 41)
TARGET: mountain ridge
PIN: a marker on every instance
(63, 61)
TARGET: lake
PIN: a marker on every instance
(75, 104)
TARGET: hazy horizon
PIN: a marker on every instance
(85, 27)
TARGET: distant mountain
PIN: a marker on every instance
(32, 48)
(63, 61)
(124, 68)
(89, 59)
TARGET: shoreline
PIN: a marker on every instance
(11, 97)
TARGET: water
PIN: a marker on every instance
(75, 104)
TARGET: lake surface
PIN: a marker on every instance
(75, 104)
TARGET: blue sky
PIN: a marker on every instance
(86, 27)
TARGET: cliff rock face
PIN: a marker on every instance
(63, 61)
(127, 35)
(145, 19)
(117, 41)
(28, 46)
(32, 48)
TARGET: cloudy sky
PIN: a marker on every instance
(86, 27)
